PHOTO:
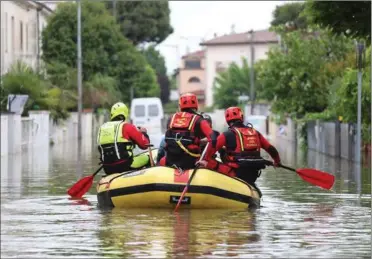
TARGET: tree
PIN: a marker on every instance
(232, 83)
(297, 82)
(290, 15)
(143, 21)
(104, 49)
(345, 102)
(157, 62)
(101, 91)
(147, 84)
(349, 17)
(21, 79)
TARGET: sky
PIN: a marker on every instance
(194, 20)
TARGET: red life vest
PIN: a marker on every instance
(247, 144)
(180, 137)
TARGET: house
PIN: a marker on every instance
(191, 75)
(21, 25)
(222, 51)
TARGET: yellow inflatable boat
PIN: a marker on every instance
(161, 187)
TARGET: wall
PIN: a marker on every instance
(227, 55)
(4, 134)
(332, 138)
(38, 130)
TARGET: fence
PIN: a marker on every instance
(331, 138)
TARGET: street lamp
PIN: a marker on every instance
(250, 36)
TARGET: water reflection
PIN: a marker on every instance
(350, 178)
(296, 220)
(11, 177)
(191, 233)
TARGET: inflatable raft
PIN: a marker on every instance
(161, 187)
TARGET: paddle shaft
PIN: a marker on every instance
(99, 169)
(151, 157)
(191, 177)
(288, 168)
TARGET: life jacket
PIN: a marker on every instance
(112, 146)
(247, 146)
(180, 137)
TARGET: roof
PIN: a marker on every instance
(43, 6)
(196, 54)
(260, 36)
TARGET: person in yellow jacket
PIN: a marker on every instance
(117, 139)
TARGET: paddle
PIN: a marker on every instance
(83, 185)
(192, 176)
(313, 176)
(150, 155)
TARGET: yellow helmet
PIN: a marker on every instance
(119, 109)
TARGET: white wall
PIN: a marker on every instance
(14, 134)
(20, 42)
(228, 54)
(36, 131)
(4, 135)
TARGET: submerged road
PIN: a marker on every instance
(297, 220)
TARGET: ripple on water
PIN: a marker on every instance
(296, 220)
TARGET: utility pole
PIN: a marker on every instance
(80, 90)
(360, 60)
(114, 8)
(360, 50)
(251, 96)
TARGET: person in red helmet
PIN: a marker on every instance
(243, 144)
(185, 129)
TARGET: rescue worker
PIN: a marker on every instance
(161, 151)
(184, 131)
(117, 139)
(243, 144)
(203, 142)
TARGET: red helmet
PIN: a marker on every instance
(233, 113)
(188, 101)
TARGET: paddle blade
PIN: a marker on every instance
(316, 177)
(81, 187)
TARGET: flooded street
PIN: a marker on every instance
(297, 219)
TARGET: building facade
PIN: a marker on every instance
(21, 25)
(222, 51)
(191, 75)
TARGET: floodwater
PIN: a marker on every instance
(297, 220)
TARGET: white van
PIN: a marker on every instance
(148, 113)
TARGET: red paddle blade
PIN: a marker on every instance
(316, 177)
(81, 187)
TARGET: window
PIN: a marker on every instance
(192, 64)
(6, 32)
(139, 111)
(12, 34)
(194, 80)
(153, 110)
(20, 35)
